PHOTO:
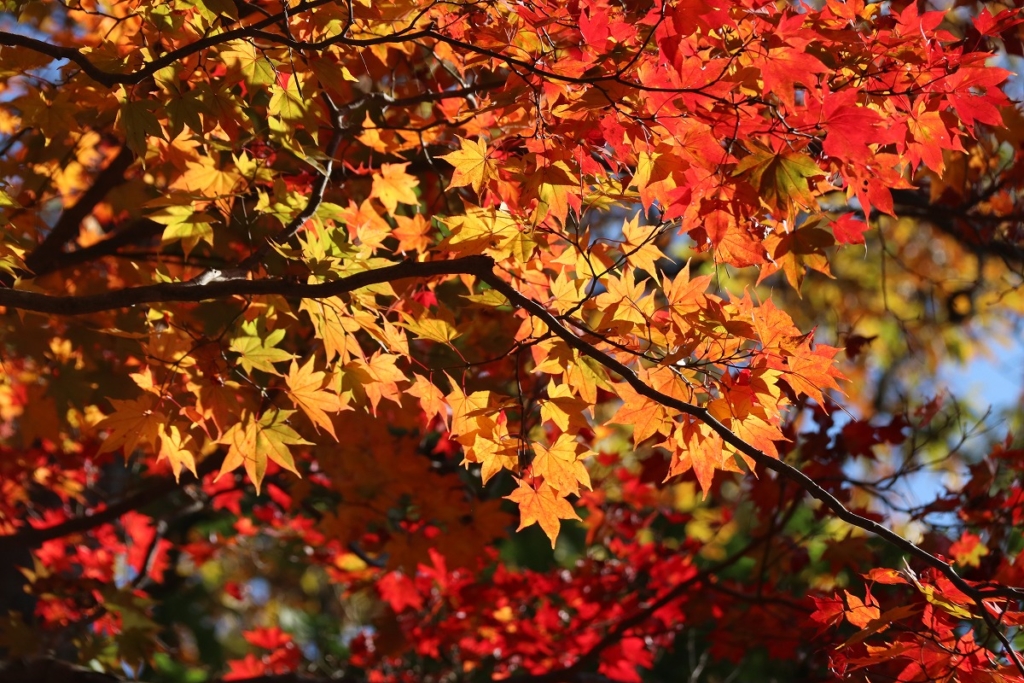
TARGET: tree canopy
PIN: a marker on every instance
(481, 340)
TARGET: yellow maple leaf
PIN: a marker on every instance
(563, 408)
(561, 465)
(392, 185)
(466, 409)
(178, 449)
(625, 299)
(305, 388)
(253, 443)
(472, 164)
(565, 293)
(638, 247)
(257, 348)
(378, 378)
(495, 452)
(647, 417)
(206, 178)
(489, 231)
(431, 398)
(439, 327)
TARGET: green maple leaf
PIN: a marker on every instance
(257, 348)
(780, 179)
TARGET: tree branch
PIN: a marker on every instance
(48, 670)
(111, 78)
(483, 268)
(67, 226)
(223, 289)
(134, 233)
(156, 488)
(728, 436)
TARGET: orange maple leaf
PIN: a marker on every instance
(561, 465)
(393, 186)
(543, 506)
(132, 423)
(305, 387)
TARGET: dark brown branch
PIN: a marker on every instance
(154, 489)
(316, 194)
(483, 268)
(258, 31)
(110, 78)
(67, 226)
(223, 289)
(133, 234)
(47, 670)
(728, 436)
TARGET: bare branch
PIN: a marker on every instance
(152, 489)
(67, 226)
(223, 289)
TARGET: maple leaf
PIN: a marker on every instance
(968, 550)
(782, 68)
(849, 230)
(431, 398)
(400, 592)
(253, 443)
(491, 231)
(626, 300)
(561, 465)
(638, 247)
(177, 448)
(473, 165)
(466, 409)
(780, 179)
(694, 446)
(861, 613)
(542, 505)
(734, 243)
(563, 408)
(555, 188)
(305, 387)
(378, 377)
(392, 185)
(185, 224)
(250, 64)
(811, 371)
(413, 234)
(932, 133)
(206, 178)
(139, 122)
(646, 417)
(258, 348)
(133, 422)
(850, 127)
(287, 100)
(494, 452)
(439, 328)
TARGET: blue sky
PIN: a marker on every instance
(997, 381)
